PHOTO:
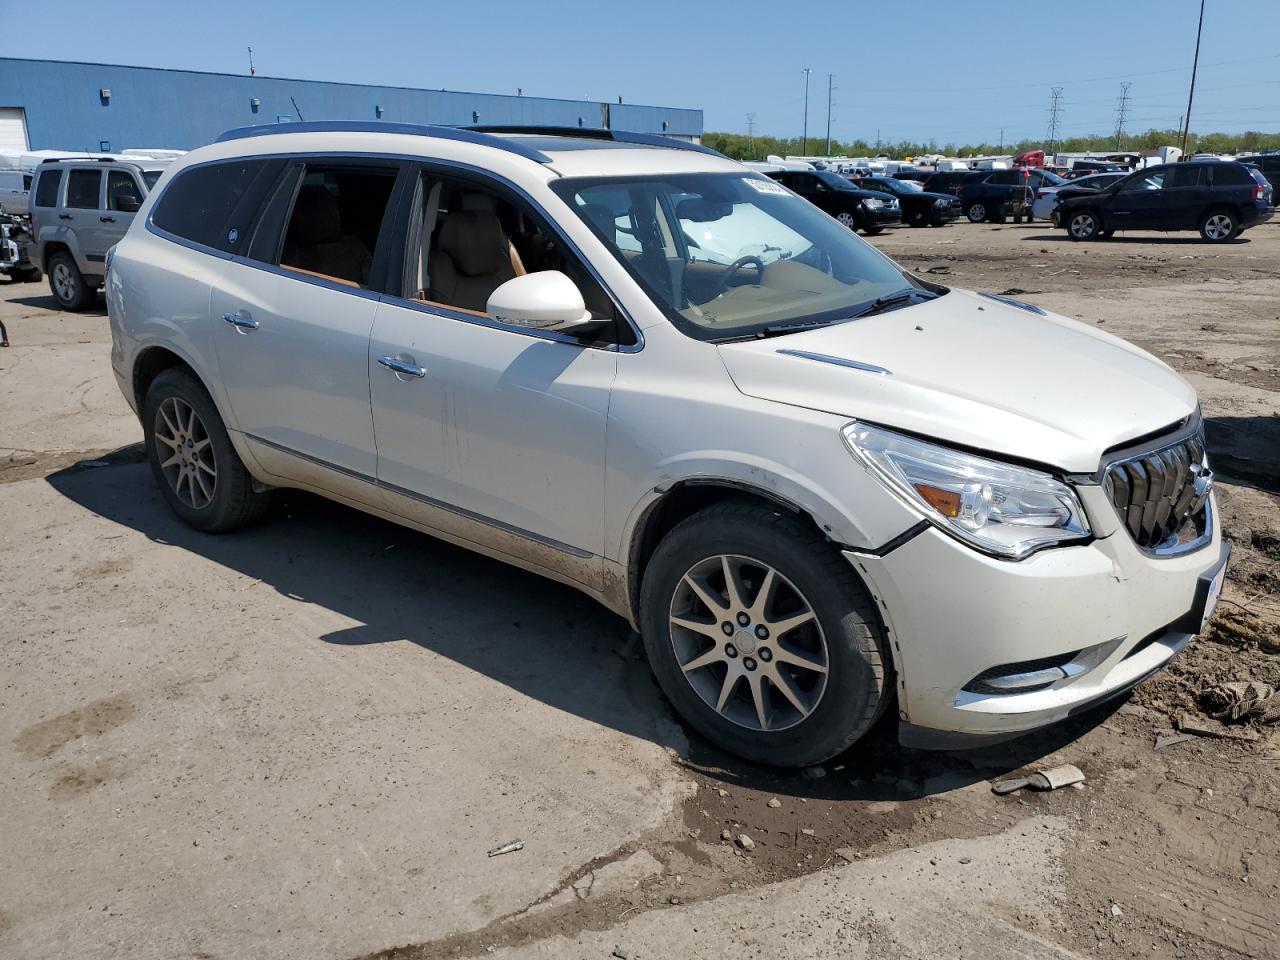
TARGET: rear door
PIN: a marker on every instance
(80, 213)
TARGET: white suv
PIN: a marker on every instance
(818, 485)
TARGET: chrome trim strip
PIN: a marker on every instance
(1011, 302)
(1178, 549)
(422, 498)
(306, 278)
(837, 361)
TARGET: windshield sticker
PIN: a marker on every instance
(765, 186)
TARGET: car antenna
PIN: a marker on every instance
(295, 109)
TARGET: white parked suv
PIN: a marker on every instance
(819, 486)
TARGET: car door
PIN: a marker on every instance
(123, 198)
(292, 318)
(492, 434)
(1185, 196)
(80, 213)
(1138, 203)
(817, 193)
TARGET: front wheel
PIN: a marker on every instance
(919, 217)
(1219, 226)
(1083, 225)
(847, 219)
(872, 231)
(762, 636)
(192, 459)
(976, 212)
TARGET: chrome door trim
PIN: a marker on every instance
(396, 365)
(837, 361)
(429, 501)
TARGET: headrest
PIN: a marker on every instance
(601, 217)
(478, 201)
(316, 217)
(475, 242)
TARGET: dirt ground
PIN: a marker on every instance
(301, 741)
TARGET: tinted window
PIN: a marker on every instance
(198, 205)
(151, 176)
(120, 184)
(1231, 175)
(26, 182)
(1187, 176)
(1144, 181)
(47, 188)
(82, 189)
(1005, 178)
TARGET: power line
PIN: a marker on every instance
(1121, 109)
(1055, 116)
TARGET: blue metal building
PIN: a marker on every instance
(55, 105)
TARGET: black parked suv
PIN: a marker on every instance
(1219, 197)
(857, 209)
(946, 181)
(983, 197)
(919, 208)
(1269, 164)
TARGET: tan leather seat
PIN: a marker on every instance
(472, 258)
(316, 244)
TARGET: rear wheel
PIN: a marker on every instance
(1083, 225)
(762, 636)
(67, 283)
(192, 458)
(976, 212)
(1219, 226)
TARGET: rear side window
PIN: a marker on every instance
(47, 188)
(1231, 175)
(26, 182)
(204, 204)
(82, 189)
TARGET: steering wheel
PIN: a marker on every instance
(731, 271)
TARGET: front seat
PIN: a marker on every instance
(316, 244)
(472, 259)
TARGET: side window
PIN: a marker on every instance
(1187, 176)
(82, 189)
(26, 182)
(1229, 175)
(47, 188)
(122, 192)
(470, 238)
(332, 226)
(211, 205)
(1146, 181)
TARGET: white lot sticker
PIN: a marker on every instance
(765, 186)
(1211, 601)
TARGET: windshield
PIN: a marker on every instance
(834, 180)
(151, 176)
(726, 255)
(1051, 178)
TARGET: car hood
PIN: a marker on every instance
(974, 372)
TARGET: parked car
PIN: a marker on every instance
(15, 189)
(1220, 198)
(670, 383)
(1269, 165)
(919, 209)
(867, 210)
(1048, 197)
(80, 208)
(947, 181)
(984, 197)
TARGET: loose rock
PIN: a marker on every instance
(775, 802)
(745, 842)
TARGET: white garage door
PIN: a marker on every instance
(13, 128)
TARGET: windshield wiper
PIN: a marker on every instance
(900, 299)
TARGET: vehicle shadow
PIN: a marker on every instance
(47, 302)
(1130, 238)
(539, 638)
(1245, 450)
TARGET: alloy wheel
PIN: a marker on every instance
(848, 220)
(977, 213)
(1082, 226)
(189, 467)
(748, 642)
(64, 284)
(1218, 227)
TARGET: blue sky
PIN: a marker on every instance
(915, 69)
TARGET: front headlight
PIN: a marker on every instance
(940, 202)
(998, 508)
(873, 204)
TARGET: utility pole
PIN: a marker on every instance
(830, 87)
(751, 132)
(1002, 139)
(1122, 109)
(1055, 117)
(1195, 63)
(252, 71)
(804, 148)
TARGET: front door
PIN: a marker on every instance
(291, 324)
(1140, 204)
(492, 434)
(123, 197)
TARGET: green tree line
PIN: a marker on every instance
(741, 147)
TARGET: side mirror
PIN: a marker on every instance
(127, 203)
(547, 300)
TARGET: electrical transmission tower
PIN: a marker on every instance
(1122, 110)
(1055, 117)
(751, 132)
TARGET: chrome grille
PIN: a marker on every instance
(1158, 492)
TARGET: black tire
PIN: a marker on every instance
(976, 212)
(1083, 225)
(858, 682)
(1219, 226)
(918, 217)
(233, 502)
(872, 231)
(67, 283)
(28, 275)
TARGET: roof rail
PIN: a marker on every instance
(376, 126)
(599, 133)
(94, 159)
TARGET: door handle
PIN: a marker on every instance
(406, 367)
(240, 321)
(65, 216)
(107, 219)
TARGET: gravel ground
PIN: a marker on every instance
(302, 740)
